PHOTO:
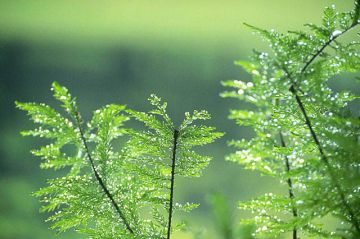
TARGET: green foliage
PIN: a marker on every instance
(225, 221)
(305, 134)
(223, 216)
(110, 193)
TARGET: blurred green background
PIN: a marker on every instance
(121, 52)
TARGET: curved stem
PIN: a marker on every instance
(173, 165)
(290, 185)
(98, 177)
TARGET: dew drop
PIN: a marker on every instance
(336, 33)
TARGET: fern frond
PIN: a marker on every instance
(306, 136)
(160, 153)
(111, 193)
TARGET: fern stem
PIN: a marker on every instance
(325, 160)
(323, 156)
(176, 135)
(98, 177)
(290, 185)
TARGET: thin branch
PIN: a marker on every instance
(322, 48)
(290, 184)
(176, 135)
(98, 177)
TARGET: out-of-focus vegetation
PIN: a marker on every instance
(121, 52)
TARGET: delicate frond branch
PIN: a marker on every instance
(97, 175)
(161, 153)
(323, 156)
(138, 177)
(172, 186)
(308, 106)
(326, 44)
(290, 184)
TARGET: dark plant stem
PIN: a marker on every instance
(325, 160)
(290, 184)
(293, 89)
(98, 177)
(173, 164)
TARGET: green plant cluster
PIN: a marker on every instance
(305, 134)
(119, 182)
(110, 192)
